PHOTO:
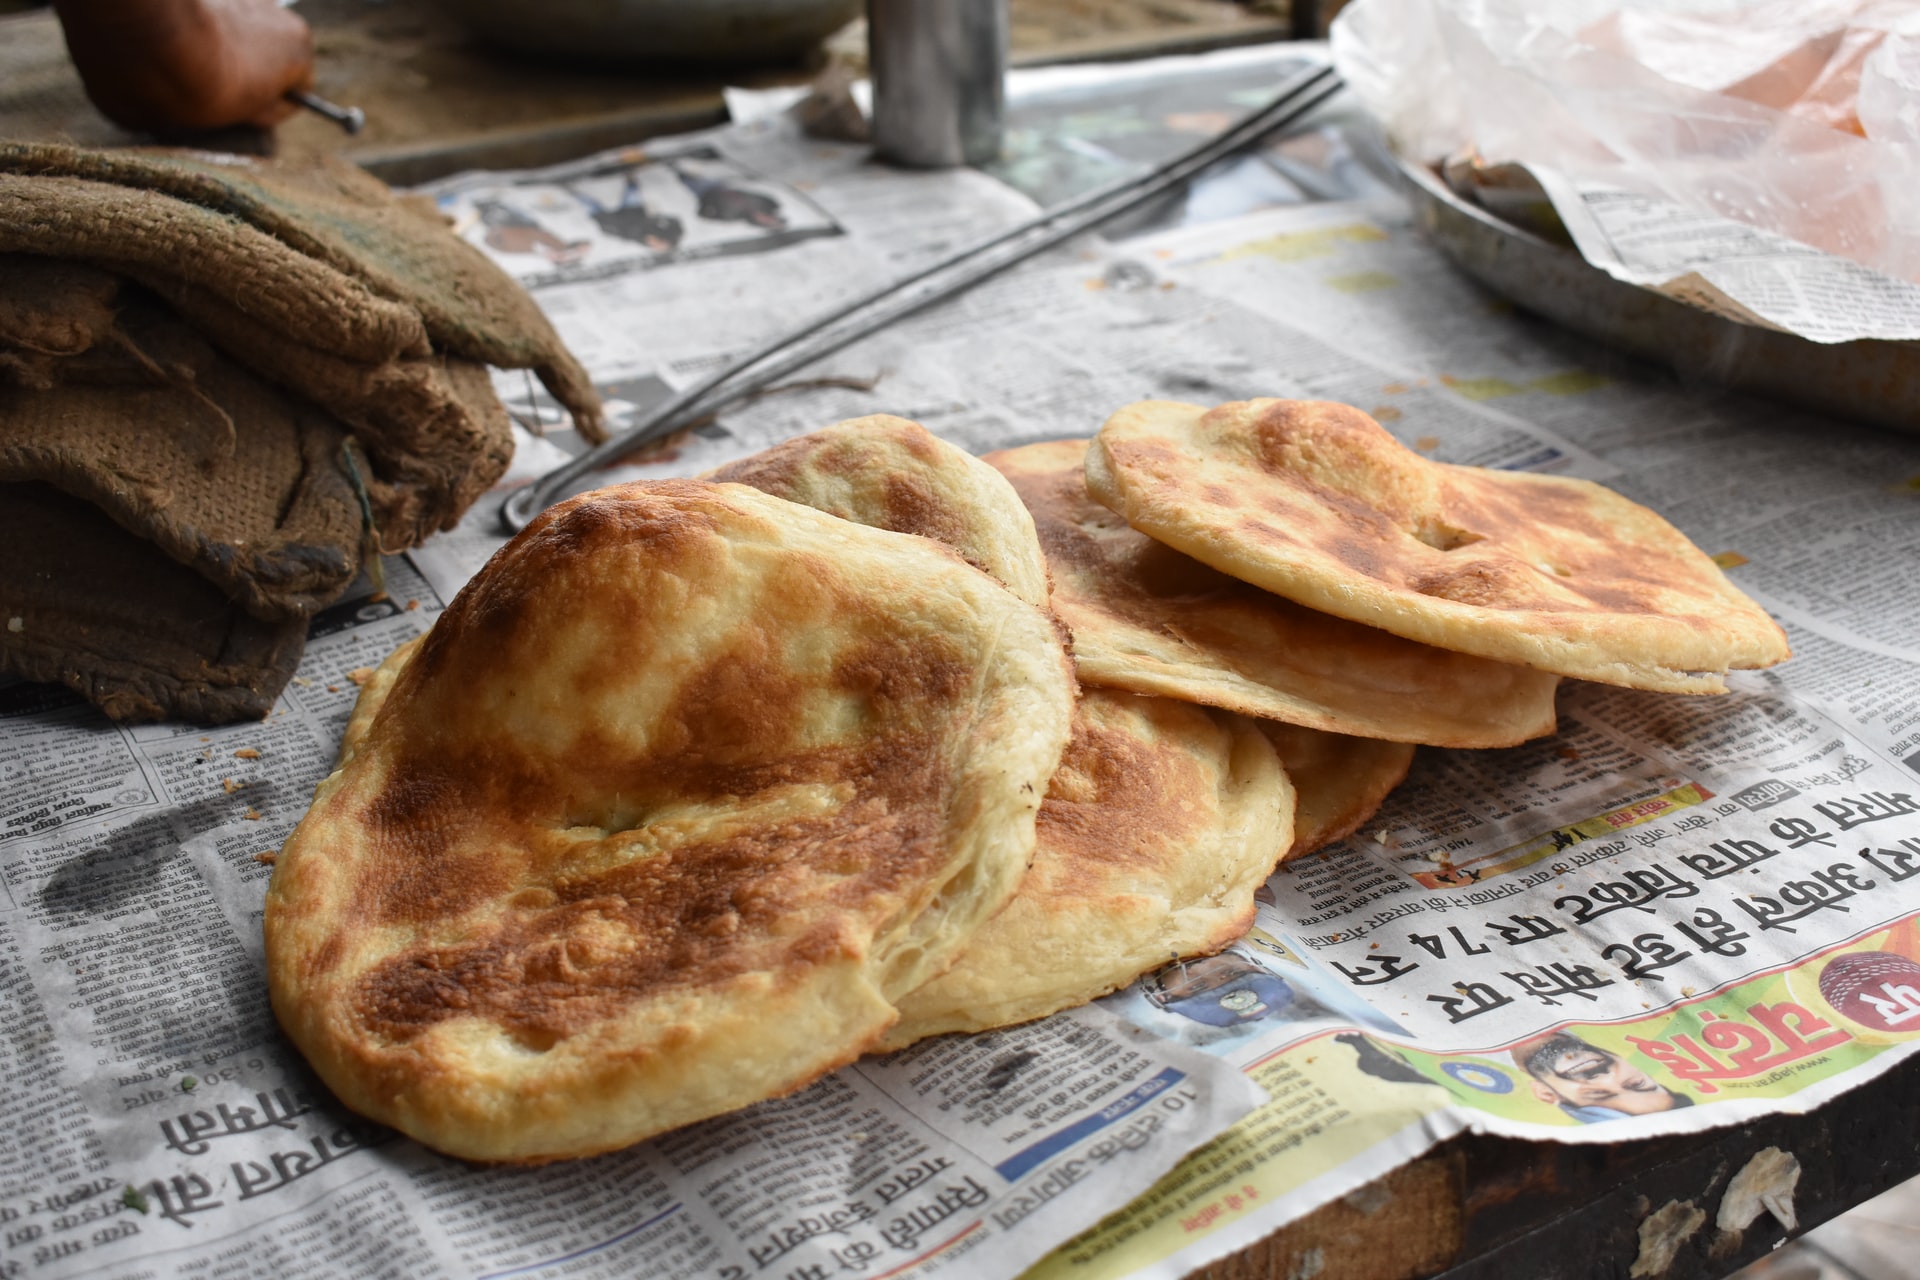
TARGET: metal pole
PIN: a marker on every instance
(939, 75)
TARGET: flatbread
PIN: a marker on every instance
(1147, 618)
(1317, 502)
(894, 474)
(1338, 781)
(373, 696)
(678, 795)
(1162, 821)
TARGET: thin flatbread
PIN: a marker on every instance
(894, 474)
(1339, 781)
(678, 795)
(1147, 618)
(1163, 819)
(1315, 501)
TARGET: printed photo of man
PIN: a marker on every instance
(1589, 1083)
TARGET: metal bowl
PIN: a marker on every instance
(710, 31)
(1867, 381)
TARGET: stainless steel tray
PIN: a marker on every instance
(1867, 381)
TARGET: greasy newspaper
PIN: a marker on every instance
(1675, 913)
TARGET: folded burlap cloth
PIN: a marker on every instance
(224, 382)
(85, 603)
(177, 444)
(316, 277)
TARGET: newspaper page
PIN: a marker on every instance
(1617, 931)
(1782, 283)
(1675, 913)
(160, 1124)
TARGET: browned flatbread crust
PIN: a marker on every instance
(1161, 822)
(1147, 618)
(891, 473)
(1317, 502)
(678, 795)
(1340, 781)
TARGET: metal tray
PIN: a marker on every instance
(1867, 381)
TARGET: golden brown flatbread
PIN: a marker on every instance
(1338, 781)
(1163, 819)
(1147, 618)
(1317, 502)
(373, 696)
(679, 794)
(894, 474)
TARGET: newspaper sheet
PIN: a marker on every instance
(1625, 929)
(1675, 913)
(1753, 273)
(160, 1126)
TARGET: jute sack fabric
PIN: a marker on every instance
(235, 480)
(318, 279)
(337, 215)
(86, 604)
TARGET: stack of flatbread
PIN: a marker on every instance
(703, 788)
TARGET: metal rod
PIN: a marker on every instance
(352, 119)
(819, 338)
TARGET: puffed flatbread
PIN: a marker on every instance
(1147, 618)
(894, 474)
(1163, 819)
(1317, 502)
(1338, 781)
(675, 799)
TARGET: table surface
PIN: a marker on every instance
(1476, 1206)
(437, 102)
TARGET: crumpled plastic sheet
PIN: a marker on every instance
(1801, 117)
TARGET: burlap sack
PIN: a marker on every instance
(177, 444)
(434, 433)
(50, 312)
(87, 604)
(332, 213)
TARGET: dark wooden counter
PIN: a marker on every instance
(438, 102)
(1480, 1208)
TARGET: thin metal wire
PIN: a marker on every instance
(828, 333)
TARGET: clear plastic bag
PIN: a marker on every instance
(1801, 118)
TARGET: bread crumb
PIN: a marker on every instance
(16, 624)
(412, 605)
(253, 815)
(360, 675)
(268, 858)
(231, 785)
(246, 753)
